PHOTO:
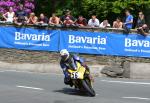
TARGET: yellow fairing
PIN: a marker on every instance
(79, 73)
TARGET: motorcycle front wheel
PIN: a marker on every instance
(87, 86)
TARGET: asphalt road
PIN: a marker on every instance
(24, 87)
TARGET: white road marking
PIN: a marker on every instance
(139, 98)
(26, 87)
(123, 82)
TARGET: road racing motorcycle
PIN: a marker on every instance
(81, 79)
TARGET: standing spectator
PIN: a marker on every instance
(21, 16)
(54, 20)
(81, 21)
(117, 24)
(32, 19)
(9, 16)
(67, 15)
(43, 19)
(93, 22)
(141, 25)
(129, 20)
(141, 20)
(127, 25)
(105, 24)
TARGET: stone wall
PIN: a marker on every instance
(25, 56)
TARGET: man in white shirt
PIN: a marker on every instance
(93, 22)
(104, 24)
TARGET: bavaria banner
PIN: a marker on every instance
(29, 38)
(105, 43)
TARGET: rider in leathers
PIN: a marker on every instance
(68, 61)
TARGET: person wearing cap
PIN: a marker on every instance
(68, 22)
(67, 15)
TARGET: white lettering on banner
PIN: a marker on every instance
(90, 40)
(131, 50)
(34, 37)
(35, 44)
(136, 43)
(86, 47)
(31, 44)
(20, 43)
(145, 51)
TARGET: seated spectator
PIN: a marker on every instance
(81, 21)
(144, 30)
(21, 16)
(93, 22)
(117, 24)
(54, 20)
(32, 19)
(43, 19)
(105, 24)
(67, 14)
(68, 22)
(9, 16)
(127, 25)
(141, 25)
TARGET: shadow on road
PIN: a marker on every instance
(71, 91)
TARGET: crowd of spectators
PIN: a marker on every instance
(21, 12)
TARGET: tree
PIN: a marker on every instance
(104, 9)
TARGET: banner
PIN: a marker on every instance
(105, 43)
(29, 38)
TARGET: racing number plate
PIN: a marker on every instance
(74, 75)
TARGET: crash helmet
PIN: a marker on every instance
(64, 54)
